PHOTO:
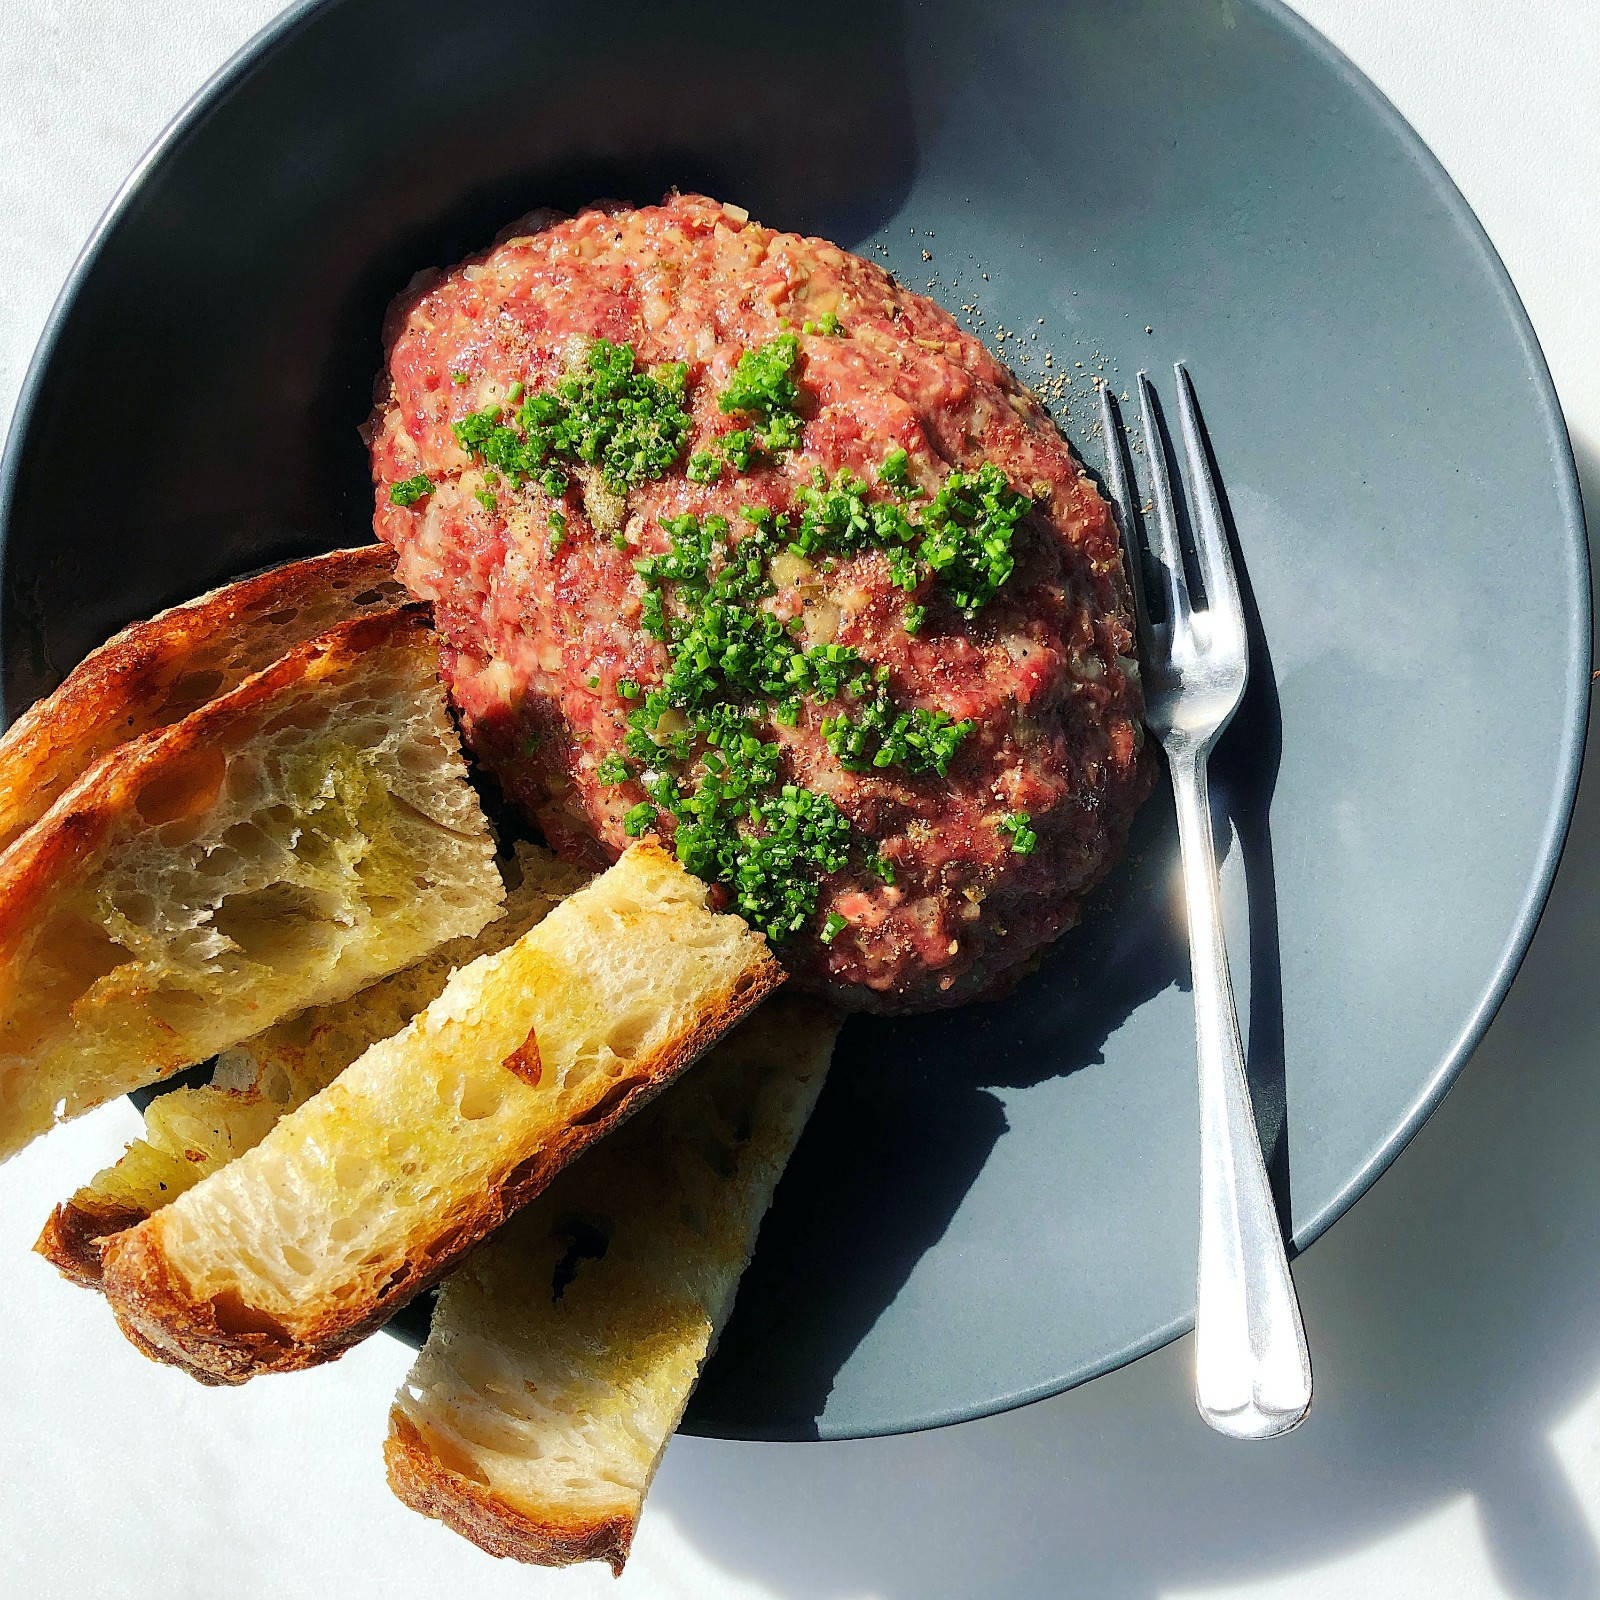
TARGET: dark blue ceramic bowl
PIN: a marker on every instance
(998, 1203)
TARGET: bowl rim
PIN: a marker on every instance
(189, 121)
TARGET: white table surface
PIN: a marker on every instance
(1454, 1316)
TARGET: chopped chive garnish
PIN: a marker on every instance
(703, 741)
(1016, 826)
(895, 470)
(631, 425)
(704, 735)
(410, 490)
(762, 385)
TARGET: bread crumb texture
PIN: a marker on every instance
(563, 1352)
(370, 1190)
(189, 1133)
(280, 847)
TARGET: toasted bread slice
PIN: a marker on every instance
(376, 1186)
(189, 1133)
(280, 847)
(155, 673)
(564, 1349)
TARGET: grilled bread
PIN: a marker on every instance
(563, 1351)
(375, 1187)
(282, 846)
(155, 673)
(191, 1132)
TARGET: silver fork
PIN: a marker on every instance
(1252, 1370)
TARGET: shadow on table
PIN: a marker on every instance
(1455, 1318)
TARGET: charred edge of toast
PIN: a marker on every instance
(424, 1483)
(80, 821)
(72, 1239)
(222, 1339)
(155, 1353)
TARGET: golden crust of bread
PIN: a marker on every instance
(425, 1484)
(223, 1337)
(155, 673)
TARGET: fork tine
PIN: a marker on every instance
(1210, 533)
(1122, 510)
(1164, 539)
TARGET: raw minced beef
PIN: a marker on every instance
(539, 599)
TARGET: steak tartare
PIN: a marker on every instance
(732, 539)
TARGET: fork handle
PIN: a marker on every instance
(1252, 1370)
